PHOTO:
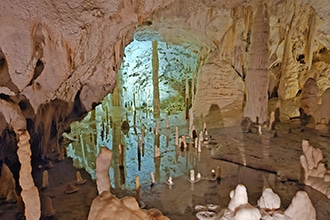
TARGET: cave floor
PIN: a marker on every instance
(250, 159)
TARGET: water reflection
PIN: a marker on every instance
(146, 146)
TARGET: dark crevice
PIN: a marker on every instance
(37, 71)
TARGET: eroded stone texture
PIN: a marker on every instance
(58, 59)
(103, 162)
(314, 173)
(301, 207)
(81, 43)
(7, 182)
(268, 207)
(108, 206)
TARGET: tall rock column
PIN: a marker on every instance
(30, 194)
(155, 67)
(257, 77)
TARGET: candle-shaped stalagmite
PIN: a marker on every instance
(45, 180)
(259, 129)
(137, 189)
(152, 177)
(213, 173)
(192, 175)
(201, 136)
(167, 121)
(219, 172)
(196, 143)
(206, 135)
(204, 126)
(48, 207)
(79, 179)
(170, 181)
(199, 176)
(183, 142)
(272, 121)
(199, 147)
(176, 136)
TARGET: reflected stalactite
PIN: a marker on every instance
(128, 159)
(142, 141)
(139, 154)
(157, 168)
(155, 80)
(134, 123)
(176, 153)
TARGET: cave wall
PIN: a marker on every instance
(296, 50)
(69, 52)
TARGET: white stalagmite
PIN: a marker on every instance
(103, 162)
(176, 136)
(30, 194)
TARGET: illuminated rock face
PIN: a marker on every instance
(268, 207)
(58, 59)
(313, 170)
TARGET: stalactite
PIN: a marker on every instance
(310, 41)
(257, 74)
(287, 86)
(155, 68)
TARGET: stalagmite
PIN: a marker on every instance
(79, 179)
(7, 181)
(219, 172)
(167, 122)
(176, 136)
(108, 206)
(45, 180)
(152, 178)
(70, 188)
(137, 189)
(11, 197)
(257, 74)
(48, 208)
(103, 162)
(272, 121)
(29, 193)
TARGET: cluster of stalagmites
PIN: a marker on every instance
(107, 206)
(268, 207)
(313, 170)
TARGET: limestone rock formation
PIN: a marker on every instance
(107, 206)
(269, 200)
(7, 182)
(301, 207)
(313, 170)
(268, 207)
(82, 44)
(59, 59)
(103, 162)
